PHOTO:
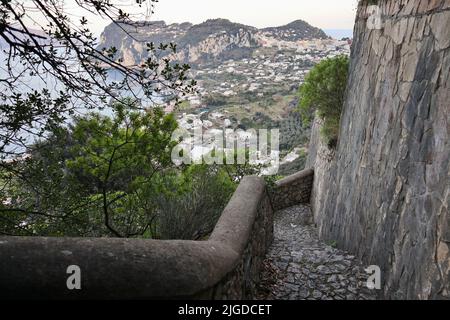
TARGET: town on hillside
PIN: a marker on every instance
(247, 78)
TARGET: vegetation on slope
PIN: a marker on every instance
(112, 176)
(323, 92)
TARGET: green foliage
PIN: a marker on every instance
(293, 132)
(113, 176)
(215, 100)
(94, 177)
(236, 172)
(192, 211)
(323, 92)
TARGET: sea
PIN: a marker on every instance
(339, 33)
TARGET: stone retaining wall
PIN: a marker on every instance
(293, 190)
(224, 267)
(383, 194)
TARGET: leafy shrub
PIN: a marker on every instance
(323, 92)
(193, 213)
(112, 176)
(92, 178)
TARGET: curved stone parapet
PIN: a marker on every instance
(224, 267)
(293, 190)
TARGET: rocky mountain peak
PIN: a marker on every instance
(298, 24)
(217, 39)
(294, 31)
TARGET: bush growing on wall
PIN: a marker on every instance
(323, 92)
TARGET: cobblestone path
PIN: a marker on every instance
(301, 267)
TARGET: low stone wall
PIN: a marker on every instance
(227, 266)
(293, 190)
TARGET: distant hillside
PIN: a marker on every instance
(212, 40)
(339, 33)
(202, 31)
(294, 31)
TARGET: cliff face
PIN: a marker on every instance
(384, 193)
(212, 40)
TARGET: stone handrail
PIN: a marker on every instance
(293, 190)
(224, 267)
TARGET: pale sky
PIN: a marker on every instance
(325, 14)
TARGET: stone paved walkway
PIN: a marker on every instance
(301, 267)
